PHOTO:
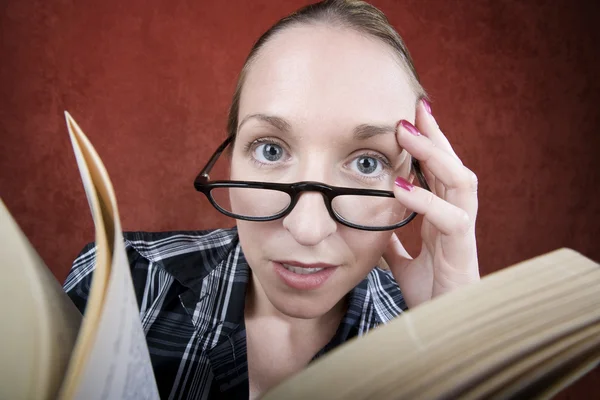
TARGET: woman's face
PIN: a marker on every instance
(306, 109)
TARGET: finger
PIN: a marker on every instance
(456, 226)
(435, 185)
(429, 127)
(440, 189)
(449, 219)
(444, 166)
(454, 182)
(395, 255)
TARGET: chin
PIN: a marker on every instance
(304, 308)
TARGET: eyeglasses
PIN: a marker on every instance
(365, 209)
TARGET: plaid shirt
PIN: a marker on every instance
(190, 288)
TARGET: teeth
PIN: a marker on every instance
(301, 271)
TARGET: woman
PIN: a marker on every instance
(326, 123)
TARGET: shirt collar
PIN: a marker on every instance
(215, 278)
(216, 271)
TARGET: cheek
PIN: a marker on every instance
(259, 238)
(367, 247)
(250, 234)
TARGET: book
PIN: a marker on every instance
(526, 331)
(52, 351)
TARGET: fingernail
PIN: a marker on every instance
(409, 127)
(427, 105)
(404, 184)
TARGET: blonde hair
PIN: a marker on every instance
(354, 14)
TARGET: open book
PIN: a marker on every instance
(526, 331)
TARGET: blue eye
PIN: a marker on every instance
(367, 165)
(268, 152)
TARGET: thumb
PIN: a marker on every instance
(396, 256)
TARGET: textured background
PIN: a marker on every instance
(514, 86)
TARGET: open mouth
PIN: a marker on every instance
(301, 270)
(304, 276)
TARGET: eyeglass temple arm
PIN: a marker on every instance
(207, 168)
(420, 175)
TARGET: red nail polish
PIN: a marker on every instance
(427, 105)
(404, 184)
(410, 127)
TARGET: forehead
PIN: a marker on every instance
(315, 75)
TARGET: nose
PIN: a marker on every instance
(310, 222)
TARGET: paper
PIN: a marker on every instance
(113, 360)
(39, 322)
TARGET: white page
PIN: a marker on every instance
(39, 321)
(118, 364)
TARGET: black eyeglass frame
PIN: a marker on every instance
(294, 190)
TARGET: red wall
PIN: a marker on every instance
(514, 85)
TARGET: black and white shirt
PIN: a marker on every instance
(190, 288)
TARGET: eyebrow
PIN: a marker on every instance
(277, 122)
(360, 132)
(366, 131)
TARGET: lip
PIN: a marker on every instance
(304, 282)
(301, 265)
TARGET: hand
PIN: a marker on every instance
(448, 257)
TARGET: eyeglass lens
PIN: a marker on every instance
(371, 211)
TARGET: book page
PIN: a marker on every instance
(112, 360)
(39, 321)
